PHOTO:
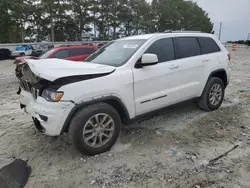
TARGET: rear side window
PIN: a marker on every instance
(208, 45)
(81, 51)
(61, 54)
(187, 47)
(163, 48)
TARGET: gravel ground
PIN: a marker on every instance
(171, 148)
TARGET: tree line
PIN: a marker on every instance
(73, 20)
(247, 42)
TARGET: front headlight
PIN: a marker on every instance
(52, 96)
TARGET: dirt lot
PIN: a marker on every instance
(170, 149)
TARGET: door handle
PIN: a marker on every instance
(174, 66)
(206, 60)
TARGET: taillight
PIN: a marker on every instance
(229, 56)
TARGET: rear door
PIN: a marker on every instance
(213, 56)
(189, 53)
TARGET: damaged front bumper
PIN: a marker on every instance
(49, 117)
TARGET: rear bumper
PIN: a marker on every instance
(48, 117)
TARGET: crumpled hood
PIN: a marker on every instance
(53, 69)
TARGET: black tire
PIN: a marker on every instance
(22, 54)
(204, 102)
(80, 119)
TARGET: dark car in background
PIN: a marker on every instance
(42, 49)
(4, 53)
(87, 44)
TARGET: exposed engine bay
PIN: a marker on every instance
(29, 81)
(32, 83)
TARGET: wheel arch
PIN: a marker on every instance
(114, 101)
(220, 73)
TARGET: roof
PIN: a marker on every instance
(145, 36)
(170, 34)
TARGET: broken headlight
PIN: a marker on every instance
(52, 96)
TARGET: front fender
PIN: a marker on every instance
(81, 105)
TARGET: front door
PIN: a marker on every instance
(158, 85)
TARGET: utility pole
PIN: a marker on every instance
(22, 34)
(220, 30)
(52, 30)
(95, 24)
(22, 31)
(248, 42)
(52, 26)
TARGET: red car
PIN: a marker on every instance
(73, 53)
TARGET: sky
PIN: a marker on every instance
(234, 15)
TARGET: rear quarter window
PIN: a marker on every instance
(187, 47)
(208, 45)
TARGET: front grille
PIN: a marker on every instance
(35, 92)
(25, 85)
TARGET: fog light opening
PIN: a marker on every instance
(39, 126)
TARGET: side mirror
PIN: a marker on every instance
(149, 59)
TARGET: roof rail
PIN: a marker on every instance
(184, 31)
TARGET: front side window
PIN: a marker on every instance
(187, 47)
(116, 53)
(61, 54)
(164, 49)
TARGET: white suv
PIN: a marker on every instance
(125, 79)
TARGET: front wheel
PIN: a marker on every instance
(213, 95)
(95, 129)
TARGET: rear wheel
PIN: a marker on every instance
(95, 129)
(213, 95)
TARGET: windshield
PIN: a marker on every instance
(46, 54)
(115, 53)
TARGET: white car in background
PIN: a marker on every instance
(121, 81)
(23, 50)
